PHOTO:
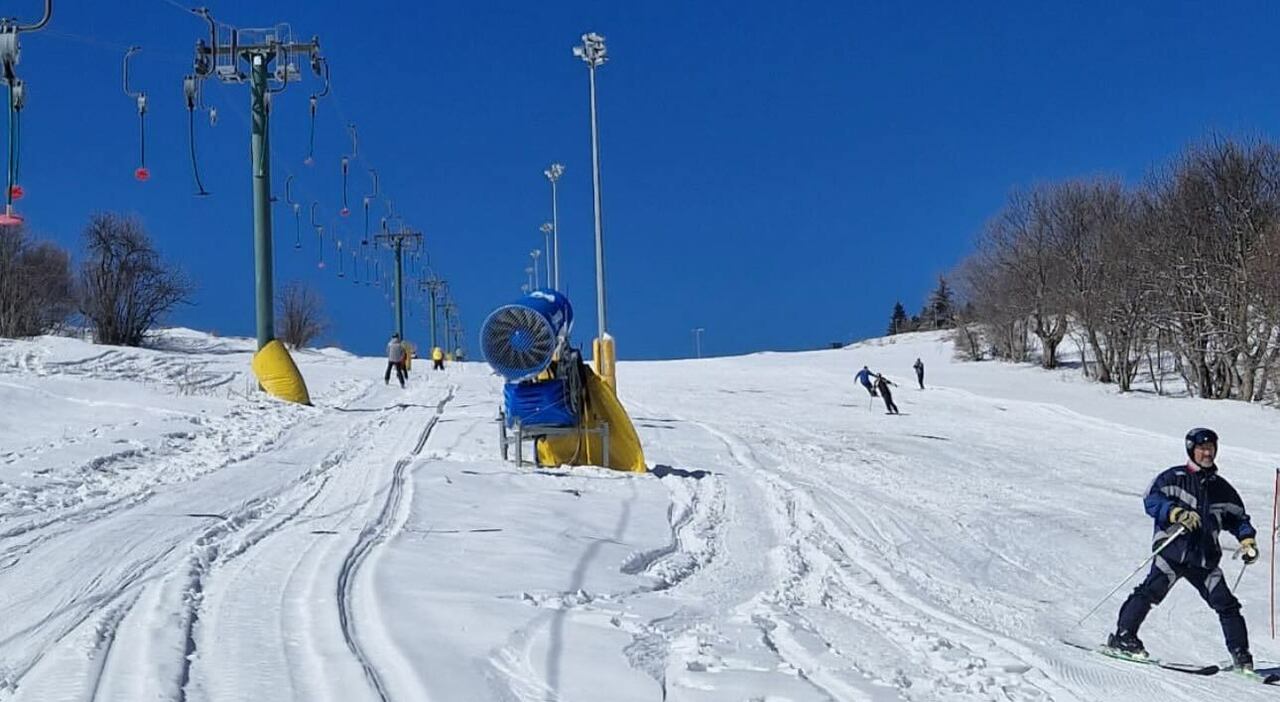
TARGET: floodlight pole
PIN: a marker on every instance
(553, 173)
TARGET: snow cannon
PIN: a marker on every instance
(519, 340)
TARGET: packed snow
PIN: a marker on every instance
(169, 533)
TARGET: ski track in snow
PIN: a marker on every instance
(829, 567)
(237, 437)
(838, 587)
(374, 533)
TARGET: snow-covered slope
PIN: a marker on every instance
(168, 533)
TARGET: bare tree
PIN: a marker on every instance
(125, 288)
(1186, 268)
(35, 285)
(300, 315)
(993, 303)
(1219, 210)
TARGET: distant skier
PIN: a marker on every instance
(437, 358)
(1196, 498)
(882, 384)
(395, 359)
(919, 366)
(864, 377)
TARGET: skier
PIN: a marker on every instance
(437, 358)
(864, 377)
(1196, 498)
(395, 359)
(919, 366)
(882, 384)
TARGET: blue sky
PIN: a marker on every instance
(778, 173)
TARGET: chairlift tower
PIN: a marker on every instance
(450, 321)
(433, 286)
(10, 52)
(399, 241)
(271, 55)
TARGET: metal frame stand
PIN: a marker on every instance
(533, 432)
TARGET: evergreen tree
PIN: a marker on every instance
(939, 311)
(898, 323)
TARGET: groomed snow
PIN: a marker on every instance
(168, 533)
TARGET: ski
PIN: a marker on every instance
(1269, 678)
(1189, 668)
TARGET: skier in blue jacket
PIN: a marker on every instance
(1195, 497)
(864, 377)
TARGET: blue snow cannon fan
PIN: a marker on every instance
(524, 340)
(520, 339)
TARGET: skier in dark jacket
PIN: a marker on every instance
(1197, 499)
(919, 366)
(864, 377)
(882, 384)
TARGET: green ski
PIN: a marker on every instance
(1189, 668)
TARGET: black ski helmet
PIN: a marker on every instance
(1198, 436)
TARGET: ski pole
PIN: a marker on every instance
(1177, 532)
(1275, 507)
(1239, 552)
(1236, 584)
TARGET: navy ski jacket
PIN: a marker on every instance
(864, 377)
(1206, 493)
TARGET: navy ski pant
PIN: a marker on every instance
(400, 374)
(1209, 583)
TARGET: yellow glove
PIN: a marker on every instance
(1184, 517)
(1249, 550)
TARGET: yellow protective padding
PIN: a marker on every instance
(278, 374)
(408, 355)
(605, 355)
(585, 448)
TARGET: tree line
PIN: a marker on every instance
(121, 290)
(1178, 276)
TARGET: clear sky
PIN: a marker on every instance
(777, 173)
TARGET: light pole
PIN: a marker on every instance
(537, 283)
(593, 53)
(553, 173)
(528, 272)
(547, 228)
(697, 340)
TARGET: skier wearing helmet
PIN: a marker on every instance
(1200, 501)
